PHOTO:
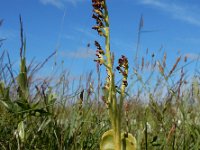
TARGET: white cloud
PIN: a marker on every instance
(57, 3)
(60, 3)
(189, 14)
(74, 2)
(87, 32)
(80, 53)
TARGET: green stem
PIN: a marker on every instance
(115, 111)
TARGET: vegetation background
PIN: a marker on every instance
(161, 106)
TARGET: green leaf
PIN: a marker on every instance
(21, 131)
(23, 105)
(107, 141)
(128, 141)
(6, 104)
(22, 79)
(44, 124)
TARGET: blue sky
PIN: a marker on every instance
(65, 26)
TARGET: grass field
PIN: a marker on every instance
(160, 110)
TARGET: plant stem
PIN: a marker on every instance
(115, 111)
